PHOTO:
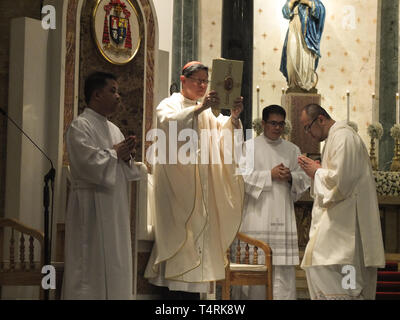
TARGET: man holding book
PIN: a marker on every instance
(198, 206)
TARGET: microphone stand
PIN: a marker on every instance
(49, 177)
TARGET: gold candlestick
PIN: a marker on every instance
(372, 157)
(396, 159)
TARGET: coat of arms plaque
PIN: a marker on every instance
(117, 30)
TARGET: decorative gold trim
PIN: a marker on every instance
(98, 43)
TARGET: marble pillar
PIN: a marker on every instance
(185, 36)
(237, 44)
(18, 8)
(388, 47)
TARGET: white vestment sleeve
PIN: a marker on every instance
(300, 181)
(336, 184)
(254, 181)
(93, 164)
(132, 170)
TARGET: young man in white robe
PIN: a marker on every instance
(345, 247)
(272, 186)
(98, 253)
(198, 197)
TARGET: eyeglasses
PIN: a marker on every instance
(199, 81)
(307, 128)
(281, 124)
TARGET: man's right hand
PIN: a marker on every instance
(211, 100)
(125, 148)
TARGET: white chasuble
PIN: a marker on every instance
(269, 204)
(345, 198)
(98, 253)
(198, 204)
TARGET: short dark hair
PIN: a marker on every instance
(96, 81)
(313, 110)
(188, 71)
(273, 109)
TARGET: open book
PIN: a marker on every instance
(226, 80)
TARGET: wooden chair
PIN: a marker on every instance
(248, 273)
(15, 269)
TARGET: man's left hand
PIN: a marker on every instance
(237, 109)
(131, 144)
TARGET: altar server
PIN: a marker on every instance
(98, 253)
(272, 186)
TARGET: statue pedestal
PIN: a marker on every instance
(293, 103)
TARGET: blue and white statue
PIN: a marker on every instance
(301, 50)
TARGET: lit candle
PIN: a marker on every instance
(348, 105)
(397, 109)
(258, 101)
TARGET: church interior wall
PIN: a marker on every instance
(210, 28)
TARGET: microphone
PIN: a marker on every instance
(50, 176)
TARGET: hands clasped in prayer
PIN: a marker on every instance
(126, 148)
(282, 173)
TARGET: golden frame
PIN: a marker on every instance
(135, 45)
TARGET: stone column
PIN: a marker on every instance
(18, 8)
(185, 36)
(387, 69)
(237, 44)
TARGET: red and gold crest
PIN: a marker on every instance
(119, 36)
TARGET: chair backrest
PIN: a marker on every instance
(251, 250)
(247, 271)
(21, 254)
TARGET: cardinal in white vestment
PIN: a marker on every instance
(345, 234)
(98, 253)
(272, 186)
(199, 202)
